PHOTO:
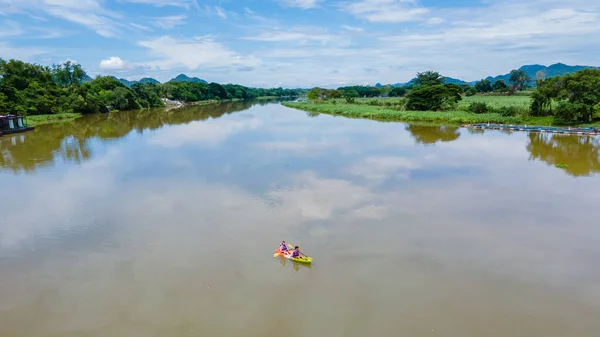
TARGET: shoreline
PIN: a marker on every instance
(36, 120)
(455, 117)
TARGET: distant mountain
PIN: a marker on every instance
(558, 69)
(130, 83)
(185, 78)
(179, 78)
(124, 81)
(148, 80)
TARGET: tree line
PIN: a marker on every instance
(33, 89)
(570, 99)
(428, 92)
(518, 81)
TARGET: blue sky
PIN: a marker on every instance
(305, 43)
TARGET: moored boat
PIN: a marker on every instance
(13, 124)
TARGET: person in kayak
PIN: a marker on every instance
(283, 246)
(296, 253)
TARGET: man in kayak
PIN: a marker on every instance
(296, 252)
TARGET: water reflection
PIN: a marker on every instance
(576, 155)
(70, 141)
(431, 134)
(296, 265)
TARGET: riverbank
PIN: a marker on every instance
(390, 113)
(383, 113)
(36, 120)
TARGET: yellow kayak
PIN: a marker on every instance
(288, 255)
(301, 259)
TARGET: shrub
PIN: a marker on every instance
(508, 111)
(449, 106)
(471, 92)
(478, 107)
(568, 112)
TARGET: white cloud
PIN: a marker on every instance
(386, 10)
(302, 4)
(88, 13)
(220, 12)
(163, 3)
(112, 63)
(19, 53)
(200, 51)
(353, 29)
(291, 35)
(10, 28)
(168, 22)
(142, 27)
(435, 21)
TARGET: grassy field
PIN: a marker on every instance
(384, 113)
(498, 101)
(47, 119)
(520, 101)
(390, 109)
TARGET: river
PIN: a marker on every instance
(164, 224)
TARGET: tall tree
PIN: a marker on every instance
(577, 96)
(68, 75)
(483, 86)
(433, 97)
(314, 94)
(518, 79)
(499, 85)
(429, 78)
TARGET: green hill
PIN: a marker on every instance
(557, 69)
(185, 78)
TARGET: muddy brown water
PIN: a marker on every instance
(164, 224)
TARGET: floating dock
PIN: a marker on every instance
(591, 131)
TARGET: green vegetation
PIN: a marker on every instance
(498, 101)
(35, 120)
(63, 91)
(385, 113)
(573, 99)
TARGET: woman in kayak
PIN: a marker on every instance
(283, 246)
